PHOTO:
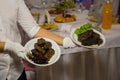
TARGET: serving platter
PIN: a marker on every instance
(74, 37)
(49, 26)
(30, 45)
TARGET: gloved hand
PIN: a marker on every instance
(68, 43)
(17, 48)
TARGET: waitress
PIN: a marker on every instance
(13, 12)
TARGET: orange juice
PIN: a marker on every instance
(107, 15)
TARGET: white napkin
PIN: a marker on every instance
(48, 16)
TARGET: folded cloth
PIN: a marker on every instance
(68, 43)
(28, 66)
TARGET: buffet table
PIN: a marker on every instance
(80, 63)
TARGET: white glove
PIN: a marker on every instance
(68, 43)
(17, 48)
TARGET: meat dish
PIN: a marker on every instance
(42, 52)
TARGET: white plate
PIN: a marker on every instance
(30, 45)
(50, 27)
(74, 37)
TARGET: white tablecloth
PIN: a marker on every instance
(89, 65)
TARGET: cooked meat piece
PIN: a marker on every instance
(41, 41)
(85, 35)
(47, 45)
(92, 41)
(36, 53)
(100, 41)
(39, 48)
(49, 54)
(42, 51)
(90, 38)
(40, 61)
(95, 35)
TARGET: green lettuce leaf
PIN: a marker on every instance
(83, 28)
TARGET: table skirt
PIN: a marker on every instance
(98, 64)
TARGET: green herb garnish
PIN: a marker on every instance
(64, 5)
(84, 28)
(29, 55)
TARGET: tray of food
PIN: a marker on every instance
(42, 51)
(87, 37)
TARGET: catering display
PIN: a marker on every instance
(88, 37)
(42, 52)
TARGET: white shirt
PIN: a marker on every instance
(11, 13)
